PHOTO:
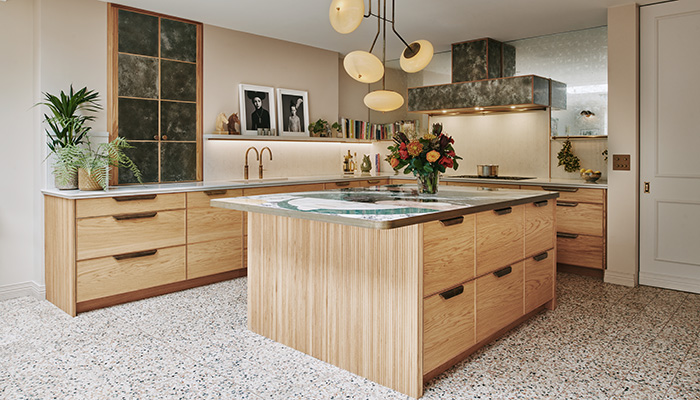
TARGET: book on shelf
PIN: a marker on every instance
(363, 130)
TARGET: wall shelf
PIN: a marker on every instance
(288, 139)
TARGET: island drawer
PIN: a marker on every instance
(539, 226)
(214, 257)
(580, 250)
(109, 276)
(202, 199)
(499, 238)
(448, 325)
(448, 255)
(499, 299)
(128, 204)
(342, 185)
(212, 224)
(573, 194)
(124, 233)
(539, 280)
(581, 218)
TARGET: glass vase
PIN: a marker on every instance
(428, 183)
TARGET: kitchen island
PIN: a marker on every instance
(393, 285)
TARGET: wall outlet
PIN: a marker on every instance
(621, 162)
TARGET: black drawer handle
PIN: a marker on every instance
(452, 292)
(214, 192)
(373, 182)
(134, 198)
(135, 254)
(452, 221)
(503, 211)
(503, 272)
(123, 217)
(541, 203)
(342, 184)
(567, 235)
(560, 189)
(540, 257)
(566, 204)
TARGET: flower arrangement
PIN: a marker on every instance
(425, 156)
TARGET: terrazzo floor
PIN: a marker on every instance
(602, 342)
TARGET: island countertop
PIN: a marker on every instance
(383, 207)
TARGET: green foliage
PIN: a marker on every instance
(321, 126)
(66, 122)
(567, 158)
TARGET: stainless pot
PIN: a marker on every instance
(487, 169)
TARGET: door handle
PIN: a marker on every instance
(541, 203)
(567, 235)
(373, 182)
(503, 272)
(214, 192)
(135, 254)
(503, 211)
(540, 257)
(124, 217)
(452, 221)
(134, 198)
(567, 204)
(342, 184)
(559, 189)
(452, 292)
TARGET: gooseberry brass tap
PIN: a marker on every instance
(260, 167)
(257, 157)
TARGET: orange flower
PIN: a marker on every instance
(394, 163)
(432, 156)
(414, 148)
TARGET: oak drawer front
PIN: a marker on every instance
(484, 185)
(448, 322)
(586, 219)
(448, 253)
(573, 194)
(580, 250)
(283, 189)
(213, 257)
(342, 185)
(539, 280)
(499, 238)
(539, 226)
(108, 276)
(128, 204)
(107, 236)
(205, 224)
(374, 182)
(202, 199)
(499, 300)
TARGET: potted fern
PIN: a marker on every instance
(66, 127)
(92, 166)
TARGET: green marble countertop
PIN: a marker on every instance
(383, 207)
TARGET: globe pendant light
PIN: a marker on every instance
(383, 100)
(346, 15)
(363, 66)
(416, 56)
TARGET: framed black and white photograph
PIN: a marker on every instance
(257, 105)
(293, 112)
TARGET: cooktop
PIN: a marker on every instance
(509, 178)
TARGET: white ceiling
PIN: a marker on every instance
(442, 22)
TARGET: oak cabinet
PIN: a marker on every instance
(448, 253)
(499, 238)
(499, 299)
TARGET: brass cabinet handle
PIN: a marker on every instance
(560, 189)
(342, 184)
(123, 217)
(503, 272)
(214, 192)
(135, 254)
(541, 257)
(452, 221)
(452, 292)
(541, 203)
(155, 137)
(373, 182)
(567, 235)
(567, 203)
(135, 198)
(164, 137)
(503, 211)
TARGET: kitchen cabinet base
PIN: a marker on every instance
(576, 270)
(157, 290)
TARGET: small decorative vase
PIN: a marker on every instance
(66, 184)
(86, 181)
(428, 183)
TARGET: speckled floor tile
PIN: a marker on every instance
(639, 391)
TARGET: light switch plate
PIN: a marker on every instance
(621, 162)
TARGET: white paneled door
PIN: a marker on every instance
(670, 145)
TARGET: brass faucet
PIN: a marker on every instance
(257, 157)
(260, 167)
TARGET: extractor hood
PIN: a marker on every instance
(483, 81)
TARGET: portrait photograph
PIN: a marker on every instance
(293, 112)
(257, 108)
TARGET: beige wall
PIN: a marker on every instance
(588, 150)
(623, 128)
(351, 94)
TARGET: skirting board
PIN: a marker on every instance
(670, 282)
(620, 278)
(29, 288)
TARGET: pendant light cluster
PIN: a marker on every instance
(365, 67)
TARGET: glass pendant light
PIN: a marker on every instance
(363, 66)
(416, 56)
(383, 100)
(346, 15)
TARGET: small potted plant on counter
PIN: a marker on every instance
(66, 127)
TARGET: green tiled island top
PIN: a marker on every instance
(383, 207)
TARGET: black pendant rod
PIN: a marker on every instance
(378, 25)
(409, 51)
